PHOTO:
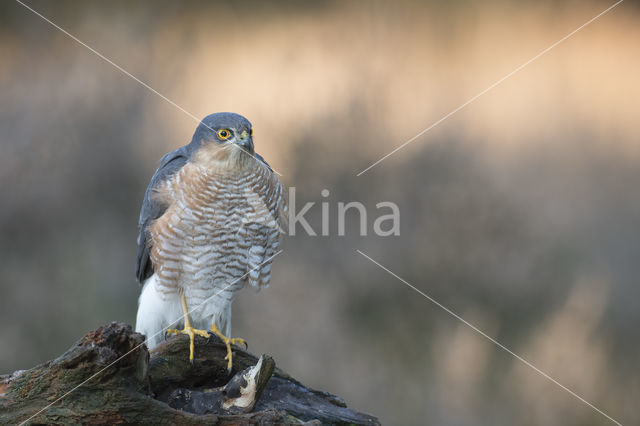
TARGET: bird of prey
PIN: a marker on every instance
(210, 222)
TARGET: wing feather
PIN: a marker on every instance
(261, 256)
(152, 208)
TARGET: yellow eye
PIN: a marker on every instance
(224, 134)
(250, 132)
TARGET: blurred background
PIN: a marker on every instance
(521, 212)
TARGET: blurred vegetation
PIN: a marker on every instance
(520, 212)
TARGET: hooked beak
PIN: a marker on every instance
(245, 141)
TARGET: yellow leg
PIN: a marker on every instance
(228, 342)
(188, 330)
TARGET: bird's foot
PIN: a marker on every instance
(228, 342)
(191, 332)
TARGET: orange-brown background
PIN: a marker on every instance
(521, 212)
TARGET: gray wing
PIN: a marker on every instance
(153, 209)
(259, 157)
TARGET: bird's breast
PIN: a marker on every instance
(201, 243)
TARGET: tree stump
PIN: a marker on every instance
(109, 377)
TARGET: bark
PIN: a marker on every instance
(121, 383)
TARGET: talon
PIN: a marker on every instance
(229, 365)
(192, 333)
(228, 342)
(188, 329)
(237, 342)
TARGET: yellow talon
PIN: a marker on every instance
(228, 342)
(191, 332)
(188, 330)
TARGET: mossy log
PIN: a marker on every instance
(109, 377)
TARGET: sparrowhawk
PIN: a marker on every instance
(210, 222)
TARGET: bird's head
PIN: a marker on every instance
(224, 136)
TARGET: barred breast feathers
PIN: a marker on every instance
(226, 212)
